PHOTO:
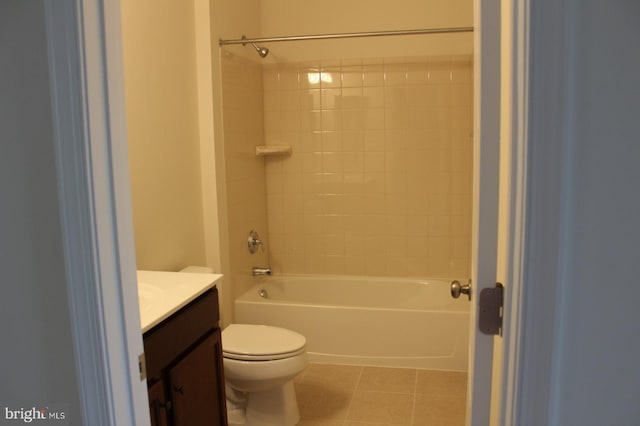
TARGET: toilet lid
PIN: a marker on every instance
(260, 342)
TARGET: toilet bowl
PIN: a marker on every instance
(260, 363)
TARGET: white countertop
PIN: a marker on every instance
(161, 294)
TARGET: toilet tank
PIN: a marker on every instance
(198, 269)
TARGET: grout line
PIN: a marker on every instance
(415, 391)
(353, 395)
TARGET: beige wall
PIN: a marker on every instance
(379, 182)
(244, 171)
(279, 16)
(163, 134)
(164, 171)
(294, 17)
(226, 18)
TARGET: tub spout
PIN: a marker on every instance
(260, 271)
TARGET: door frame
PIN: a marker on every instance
(90, 144)
(85, 58)
(541, 63)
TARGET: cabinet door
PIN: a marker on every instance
(197, 386)
(158, 405)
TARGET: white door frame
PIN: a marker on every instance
(87, 91)
(540, 110)
(88, 96)
(515, 111)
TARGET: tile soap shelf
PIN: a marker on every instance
(268, 150)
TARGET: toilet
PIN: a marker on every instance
(260, 363)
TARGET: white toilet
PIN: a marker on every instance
(260, 363)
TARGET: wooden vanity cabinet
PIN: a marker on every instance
(184, 366)
(158, 405)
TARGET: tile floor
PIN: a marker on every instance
(345, 395)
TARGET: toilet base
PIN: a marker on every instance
(275, 407)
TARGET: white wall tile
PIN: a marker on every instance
(379, 181)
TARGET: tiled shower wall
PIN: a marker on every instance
(379, 181)
(244, 173)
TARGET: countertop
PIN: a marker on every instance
(161, 294)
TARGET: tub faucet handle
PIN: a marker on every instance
(254, 241)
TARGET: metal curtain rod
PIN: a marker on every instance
(347, 35)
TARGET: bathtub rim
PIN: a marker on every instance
(251, 295)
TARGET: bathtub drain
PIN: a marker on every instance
(263, 293)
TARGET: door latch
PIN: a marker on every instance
(142, 366)
(490, 310)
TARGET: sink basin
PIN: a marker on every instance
(148, 297)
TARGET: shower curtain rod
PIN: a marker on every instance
(347, 35)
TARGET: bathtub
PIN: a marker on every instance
(393, 322)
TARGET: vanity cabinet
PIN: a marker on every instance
(158, 404)
(185, 367)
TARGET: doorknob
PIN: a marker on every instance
(457, 288)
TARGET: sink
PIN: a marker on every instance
(162, 293)
(148, 297)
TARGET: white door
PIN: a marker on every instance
(485, 202)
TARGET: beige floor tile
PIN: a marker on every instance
(344, 395)
(341, 376)
(381, 407)
(383, 379)
(441, 383)
(325, 391)
(320, 401)
(433, 410)
(300, 377)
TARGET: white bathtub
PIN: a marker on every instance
(392, 322)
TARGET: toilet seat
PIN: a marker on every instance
(249, 342)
